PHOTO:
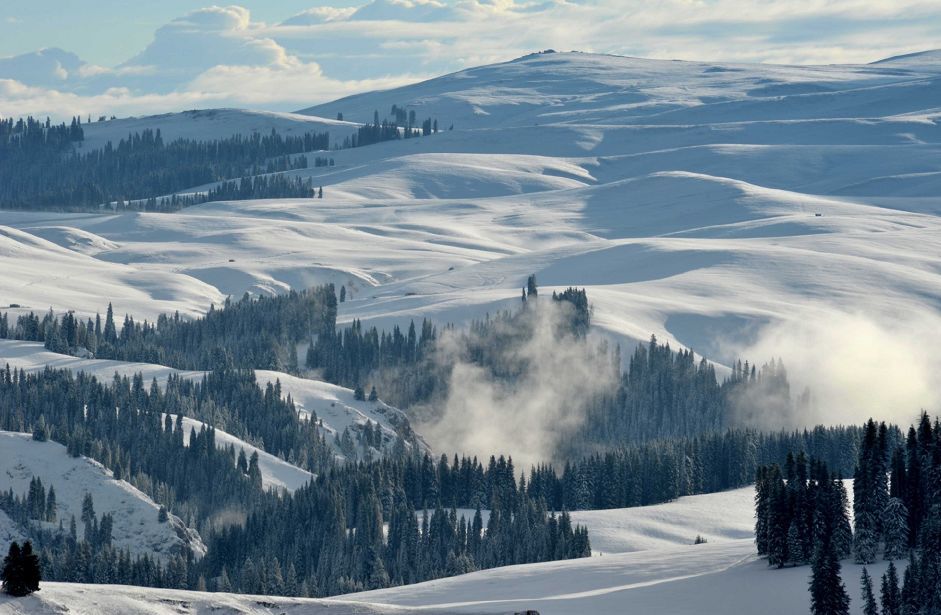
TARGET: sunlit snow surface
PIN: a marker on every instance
(700, 202)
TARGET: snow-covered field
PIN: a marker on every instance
(715, 205)
(644, 563)
(136, 526)
(128, 600)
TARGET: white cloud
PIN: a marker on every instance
(294, 84)
(203, 39)
(406, 10)
(318, 15)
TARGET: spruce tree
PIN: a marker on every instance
(895, 529)
(890, 595)
(827, 594)
(870, 607)
(21, 572)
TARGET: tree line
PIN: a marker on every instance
(42, 168)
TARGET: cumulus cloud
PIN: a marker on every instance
(204, 39)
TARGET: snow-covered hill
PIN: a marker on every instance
(136, 526)
(738, 210)
(210, 124)
(335, 407)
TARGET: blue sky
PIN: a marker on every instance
(60, 57)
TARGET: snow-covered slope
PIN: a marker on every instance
(209, 124)
(136, 526)
(644, 561)
(275, 472)
(335, 407)
(714, 205)
(129, 600)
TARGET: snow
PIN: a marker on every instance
(275, 472)
(212, 124)
(337, 407)
(647, 566)
(135, 515)
(644, 561)
(691, 200)
(128, 600)
(718, 517)
(334, 405)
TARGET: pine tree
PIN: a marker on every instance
(110, 331)
(21, 572)
(869, 600)
(795, 547)
(890, 596)
(41, 432)
(870, 494)
(895, 529)
(51, 505)
(531, 289)
(827, 593)
(222, 583)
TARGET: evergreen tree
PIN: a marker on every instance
(870, 607)
(41, 432)
(827, 594)
(21, 572)
(895, 529)
(890, 596)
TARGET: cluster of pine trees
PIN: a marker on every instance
(406, 368)
(42, 170)
(256, 332)
(262, 187)
(645, 473)
(21, 571)
(896, 515)
(402, 125)
(798, 509)
(37, 504)
(131, 429)
(127, 426)
(64, 555)
(331, 536)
